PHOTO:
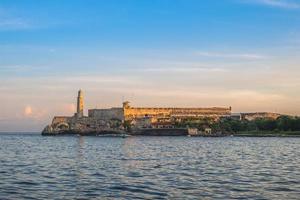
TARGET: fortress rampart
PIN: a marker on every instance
(107, 114)
(131, 113)
(61, 119)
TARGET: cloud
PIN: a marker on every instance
(277, 3)
(9, 21)
(13, 23)
(33, 112)
(184, 69)
(18, 68)
(247, 56)
(28, 111)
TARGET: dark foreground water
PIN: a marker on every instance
(36, 167)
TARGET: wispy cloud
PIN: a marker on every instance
(184, 69)
(13, 24)
(287, 4)
(17, 68)
(9, 21)
(247, 56)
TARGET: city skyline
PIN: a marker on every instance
(239, 53)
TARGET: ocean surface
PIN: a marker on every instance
(71, 167)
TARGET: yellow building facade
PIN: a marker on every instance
(131, 113)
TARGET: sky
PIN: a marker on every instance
(184, 53)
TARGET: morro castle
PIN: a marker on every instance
(119, 119)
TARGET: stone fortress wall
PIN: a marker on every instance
(61, 119)
(106, 114)
(83, 123)
(256, 115)
(131, 113)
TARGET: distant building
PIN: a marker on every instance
(142, 117)
(254, 116)
(257, 115)
(161, 115)
(236, 116)
(131, 113)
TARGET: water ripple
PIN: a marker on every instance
(35, 167)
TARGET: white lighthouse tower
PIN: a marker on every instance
(80, 103)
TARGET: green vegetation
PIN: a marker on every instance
(268, 133)
(282, 126)
(195, 123)
(127, 125)
(115, 123)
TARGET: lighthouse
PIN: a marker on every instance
(79, 104)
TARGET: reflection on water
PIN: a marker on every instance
(32, 166)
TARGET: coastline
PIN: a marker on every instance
(268, 134)
(173, 132)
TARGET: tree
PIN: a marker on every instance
(284, 123)
(127, 125)
(265, 124)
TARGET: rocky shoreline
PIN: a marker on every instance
(136, 132)
(83, 133)
(164, 132)
(140, 132)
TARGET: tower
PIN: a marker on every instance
(80, 104)
(126, 104)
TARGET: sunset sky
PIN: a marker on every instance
(193, 53)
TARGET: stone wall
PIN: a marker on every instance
(107, 114)
(132, 112)
(257, 115)
(61, 119)
(88, 123)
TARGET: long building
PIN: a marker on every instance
(131, 113)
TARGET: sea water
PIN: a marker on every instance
(74, 167)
